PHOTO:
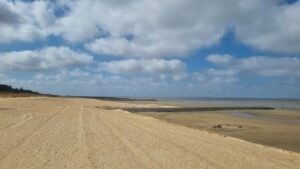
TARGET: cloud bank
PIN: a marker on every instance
(150, 28)
(153, 66)
(259, 65)
(150, 45)
(48, 58)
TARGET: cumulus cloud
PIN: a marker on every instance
(259, 65)
(48, 58)
(168, 29)
(153, 66)
(276, 30)
(149, 34)
(215, 77)
(81, 82)
(178, 28)
(221, 72)
(7, 16)
(78, 78)
(25, 21)
(219, 59)
(64, 75)
(148, 28)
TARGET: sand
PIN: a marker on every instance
(276, 128)
(79, 133)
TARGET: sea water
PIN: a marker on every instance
(238, 102)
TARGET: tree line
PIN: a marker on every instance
(8, 88)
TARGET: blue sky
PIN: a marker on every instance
(151, 48)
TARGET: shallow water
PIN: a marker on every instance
(260, 117)
(275, 103)
(243, 115)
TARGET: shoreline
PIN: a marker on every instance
(278, 128)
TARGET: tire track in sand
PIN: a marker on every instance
(24, 119)
(74, 149)
(139, 155)
(82, 141)
(147, 142)
(106, 150)
(79, 137)
(190, 136)
(228, 155)
(14, 146)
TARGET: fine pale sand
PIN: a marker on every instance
(78, 133)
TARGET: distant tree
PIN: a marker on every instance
(7, 88)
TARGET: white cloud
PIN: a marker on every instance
(81, 82)
(178, 28)
(260, 65)
(146, 31)
(213, 82)
(153, 66)
(155, 29)
(221, 72)
(7, 16)
(275, 30)
(24, 21)
(219, 59)
(215, 77)
(45, 59)
(64, 75)
(172, 28)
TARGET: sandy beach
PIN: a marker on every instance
(276, 127)
(43, 132)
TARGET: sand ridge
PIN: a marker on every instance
(77, 133)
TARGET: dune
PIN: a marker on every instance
(44, 132)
